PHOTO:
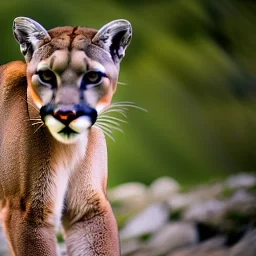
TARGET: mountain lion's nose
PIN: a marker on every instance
(65, 115)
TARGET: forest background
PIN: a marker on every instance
(191, 64)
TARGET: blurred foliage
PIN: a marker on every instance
(191, 64)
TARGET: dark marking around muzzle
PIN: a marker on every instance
(67, 113)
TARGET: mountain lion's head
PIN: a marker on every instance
(72, 72)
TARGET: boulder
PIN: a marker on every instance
(163, 188)
(241, 180)
(149, 220)
(172, 236)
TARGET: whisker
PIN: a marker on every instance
(105, 132)
(111, 106)
(33, 119)
(105, 128)
(37, 123)
(115, 107)
(38, 128)
(121, 107)
(112, 117)
(111, 127)
(108, 123)
(102, 119)
(109, 135)
(129, 104)
(123, 102)
(126, 103)
(122, 83)
(116, 111)
(29, 103)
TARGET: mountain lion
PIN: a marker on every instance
(53, 158)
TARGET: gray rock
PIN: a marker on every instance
(130, 196)
(246, 246)
(62, 250)
(242, 180)
(182, 201)
(211, 211)
(143, 254)
(147, 221)
(4, 248)
(172, 236)
(130, 246)
(214, 246)
(187, 252)
(203, 193)
(163, 188)
(242, 201)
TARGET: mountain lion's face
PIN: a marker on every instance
(72, 72)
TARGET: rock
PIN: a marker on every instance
(163, 188)
(211, 211)
(184, 200)
(218, 252)
(62, 250)
(130, 246)
(213, 219)
(181, 201)
(127, 191)
(205, 192)
(242, 180)
(243, 202)
(246, 246)
(172, 236)
(214, 246)
(4, 249)
(129, 196)
(147, 221)
(143, 254)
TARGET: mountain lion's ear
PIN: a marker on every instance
(114, 37)
(30, 35)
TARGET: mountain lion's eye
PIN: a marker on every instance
(47, 77)
(92, 78)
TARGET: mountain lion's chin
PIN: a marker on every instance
(66, 138)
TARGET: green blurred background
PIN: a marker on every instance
(191, 64)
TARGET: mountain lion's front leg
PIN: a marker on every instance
(28, 234)
(89, 223)
(93, 231)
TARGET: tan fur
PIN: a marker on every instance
(42, 179)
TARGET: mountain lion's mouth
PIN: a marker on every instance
(66, 122)
(67, 133)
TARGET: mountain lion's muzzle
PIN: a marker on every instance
(67, 121)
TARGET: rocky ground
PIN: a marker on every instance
(217, 219)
